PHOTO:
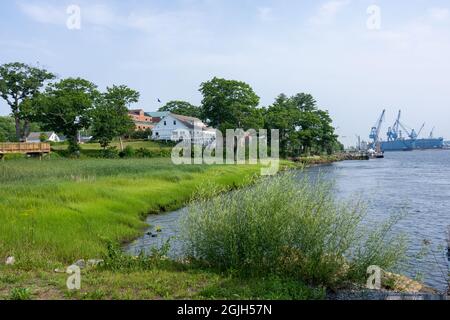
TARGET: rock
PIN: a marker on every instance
(94, 262)
(80, 263)
(10, 261)
(400, 283)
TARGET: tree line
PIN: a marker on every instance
(65, 106)
(305, 128)
(70, 105)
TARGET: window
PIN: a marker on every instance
(174, 122)
(157, 134)
(165, 123)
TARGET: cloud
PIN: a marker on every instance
(265, 14)
(439, 14)
(328, 12)
(43, 13)
(159, 23)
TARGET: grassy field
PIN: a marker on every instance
(64, 210)
(151, 145)
(54, 212)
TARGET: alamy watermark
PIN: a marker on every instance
(374, 279)
(200, 146)
(73, 21)
(374, 20)
(74, 280)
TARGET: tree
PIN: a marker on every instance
(110, 117)
(182, 108)
(230, 104)
(284, 116)
(43, 137)
(7, 130)
(20, 83)
(304, 128)
(66, 107)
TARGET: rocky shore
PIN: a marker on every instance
(318, 160)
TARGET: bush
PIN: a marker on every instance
(116, 260)
(14, 156)
(110, 153)
(128, 152)
(143, 153)
(140, 135)
(289, 227)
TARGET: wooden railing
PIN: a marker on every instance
(25, 148)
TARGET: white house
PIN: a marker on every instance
(174, 127)
(35, 137)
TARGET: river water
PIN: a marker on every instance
(415, 183)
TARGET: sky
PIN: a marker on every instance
(356, 57)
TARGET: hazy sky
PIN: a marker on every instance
(165, 49)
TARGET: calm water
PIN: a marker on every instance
(416, 183)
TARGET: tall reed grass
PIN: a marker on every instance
(289, 227)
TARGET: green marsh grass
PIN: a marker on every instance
(61, 210)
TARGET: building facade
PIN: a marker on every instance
(176, 128)
(157, 116)
(142, 121)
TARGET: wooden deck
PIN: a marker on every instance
(38, 149)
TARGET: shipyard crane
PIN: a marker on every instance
(410, 132)
(421, 129)
(393, 132)
(432, 133)
(375, 131)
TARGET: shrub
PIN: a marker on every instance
(143, 153)
(140, 134)
(128, 152)
(116, 260)
(14, 156)
(166, 153)
(110, 153)
(289, 227)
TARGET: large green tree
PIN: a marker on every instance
(304, 128)
(230, 104)
(182, 108)
(110, 116)
(66, 107)
(284, 116)
(19, 83)
(7, 130)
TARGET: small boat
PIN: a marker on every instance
(376, 154)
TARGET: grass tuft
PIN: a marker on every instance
(288, 227)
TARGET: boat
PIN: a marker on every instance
(402, 138)
(376, 154)
(412, 144)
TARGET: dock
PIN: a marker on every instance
(31, 149)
